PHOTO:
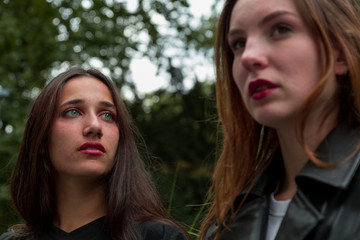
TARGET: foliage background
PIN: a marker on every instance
(41, 38)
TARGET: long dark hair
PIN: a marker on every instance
(131, 196)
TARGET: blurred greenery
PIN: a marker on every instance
(41, 38)
(180, 130)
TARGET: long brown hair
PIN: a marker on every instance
(131, 196)
(248, 147)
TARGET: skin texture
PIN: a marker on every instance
(278, 62)
(85, 115)
(270, 41)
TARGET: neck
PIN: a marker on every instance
(293, 153)
(78, 203)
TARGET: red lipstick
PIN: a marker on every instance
(260, 88)
(92, 148)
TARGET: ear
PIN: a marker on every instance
(341, 67)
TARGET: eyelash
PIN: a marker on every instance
(281, 27)
(234, 44)
(68, 113)
(111, 115)
(277, 30)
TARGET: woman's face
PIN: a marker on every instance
(277, 60)
(84, 136)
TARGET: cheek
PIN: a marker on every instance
(56, 149)
(113, 145)
(61, 140)
(238, 75)
(113, 139)
(56, 145)
(54, 141)
(308, 61)
(60, 134)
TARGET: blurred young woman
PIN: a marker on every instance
(79, 174)
(288, 92)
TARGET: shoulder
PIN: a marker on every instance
(210, 231)
(8, 236)
(155, 230)
(5, 236)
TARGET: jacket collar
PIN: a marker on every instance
(319, 188)
(305, 210)
(341, 146)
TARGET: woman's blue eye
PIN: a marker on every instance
(72, 113)
(281, 29)
(238, 44)
(108, 116)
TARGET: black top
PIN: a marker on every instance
(95, 230)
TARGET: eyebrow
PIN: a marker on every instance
(263, 21)
(274, 15)
(79, 101)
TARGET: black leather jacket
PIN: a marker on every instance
(327, 202)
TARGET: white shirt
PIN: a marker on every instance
(277, 211)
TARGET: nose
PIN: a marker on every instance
(92, 126)
(254, 55)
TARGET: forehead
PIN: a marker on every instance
(85, 87)
(254, 10)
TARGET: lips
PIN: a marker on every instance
(92, 148)
(260, 88)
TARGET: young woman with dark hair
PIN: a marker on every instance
(288, 95)
(79, 174)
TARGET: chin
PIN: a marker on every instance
(273, 121)
(92, 173)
